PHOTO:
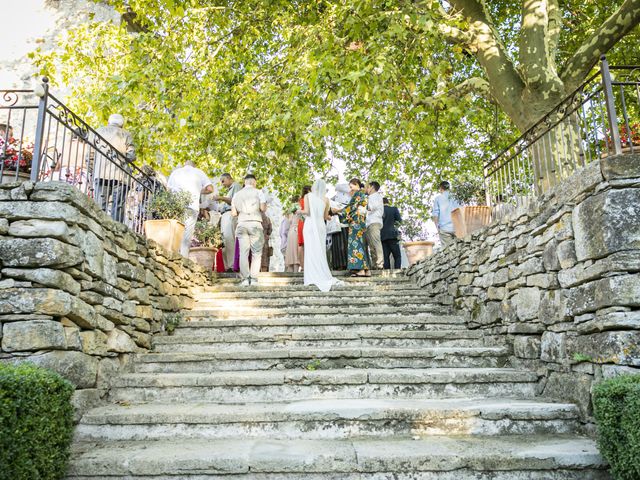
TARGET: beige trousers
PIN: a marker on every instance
(251, 239)
(228, 230)
(447, 238)
(374, 245)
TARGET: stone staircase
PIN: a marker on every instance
(370, 381)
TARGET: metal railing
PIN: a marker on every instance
(42, 140)
(598, 119)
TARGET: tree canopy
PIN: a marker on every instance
(403, 91)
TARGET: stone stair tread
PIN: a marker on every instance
(329, 410)
(308, 302)
(207, 337)
(252, 456)
(349, 376)
(288, 352)
(427, 319)
(313, 311)
(234, 287)
(304, 294)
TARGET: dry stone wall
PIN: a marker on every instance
(79, 292)
(561, 280)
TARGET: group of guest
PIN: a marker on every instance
(366, 238)
(207, 203)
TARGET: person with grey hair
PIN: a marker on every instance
(108, 171)
(247, 205)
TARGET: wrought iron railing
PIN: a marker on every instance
(42, 140)
(600, 118)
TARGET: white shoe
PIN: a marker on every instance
(245, 283)
(254, 282)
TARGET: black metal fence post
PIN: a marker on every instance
(39, 145)
(610, 104)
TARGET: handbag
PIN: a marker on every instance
(333, 225)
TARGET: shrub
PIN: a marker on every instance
(208, 235)
(171, 321)
(168, 205)
(616, 404)
(36, 423)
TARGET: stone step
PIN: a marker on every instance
(375, 274)
(354, 282)
(209, 340)
(285, 385)
(202, 359)
(441, 458)
(324, 419)
(305, 293)
(385, 302)
(359, 286)
(192, 333)
(201, 319)
(238, 313)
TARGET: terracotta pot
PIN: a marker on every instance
(10, 177)
(417, 251)
(167, 233)
(203, 256)
(468, 219)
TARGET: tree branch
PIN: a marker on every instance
(505, 82)
(535, 53)
(554, 29)
(475, 85)
(600, 42)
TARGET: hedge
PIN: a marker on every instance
(616, 404)
(36, 423)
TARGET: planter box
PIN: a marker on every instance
(468, 219)
(167, 233)
(203, 256)
(9, 176)
(417, 251)
(627, 149)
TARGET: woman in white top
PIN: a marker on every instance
(316, 211)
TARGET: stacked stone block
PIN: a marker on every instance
(78, 291)
(559, 279)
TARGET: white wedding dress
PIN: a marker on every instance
(316, 267)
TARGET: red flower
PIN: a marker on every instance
(14, 158)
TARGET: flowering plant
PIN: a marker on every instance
(293, 207)
(632, 137)
(15, 158)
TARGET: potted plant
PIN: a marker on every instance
(208, 240)
(167, 211)
(16, 157)
(419, 246)
(630, 141)
(473, 213)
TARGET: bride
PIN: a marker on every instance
(316, 211)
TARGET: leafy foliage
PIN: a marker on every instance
(169, 205)
(171, 321)
(289, 89)
(469, 192)
(208, 235)
(616, 405)
(36, 423)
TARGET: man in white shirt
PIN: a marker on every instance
(195, 182)
(375, 210)
(227, 221)
(247, 206)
